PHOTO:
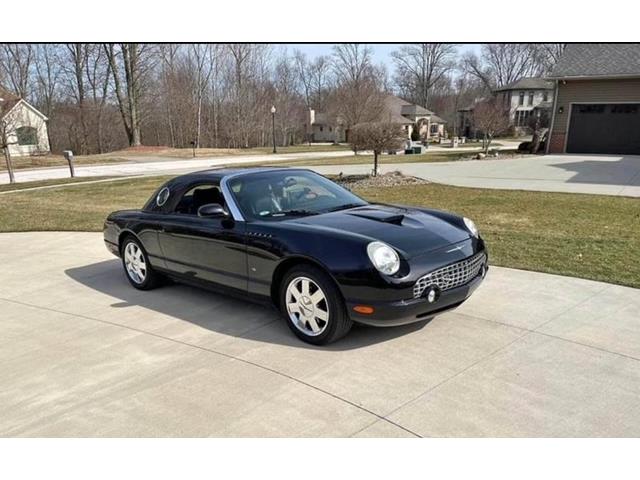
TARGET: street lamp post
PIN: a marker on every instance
(273, 127)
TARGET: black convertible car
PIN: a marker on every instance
(323, 256)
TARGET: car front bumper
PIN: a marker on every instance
(402, 312)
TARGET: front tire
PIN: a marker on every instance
(136, 265)
(312, 306)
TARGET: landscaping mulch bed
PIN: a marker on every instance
(391, 179)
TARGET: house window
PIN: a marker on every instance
(330, 129)
(522, 117)
(545, 96)
(321, 129)
(521, 99)
(27, 136)
(530, 98)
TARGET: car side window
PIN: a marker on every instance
(197, 196)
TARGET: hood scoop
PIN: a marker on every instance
(379, 216)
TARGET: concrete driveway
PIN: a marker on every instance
(594, 174)
(84, 354)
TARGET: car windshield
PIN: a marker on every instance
(280, 194)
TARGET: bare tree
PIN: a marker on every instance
(74, 67)
(290, 105)
(303, 71)
(377, 136)
(490, 118)
(420, 66)
(320, 73)
(550, 53)
(16, 61)
(48, 73)
(203, 62)
(357, 96)
(504, 63)
(134, 61)
(6, 129)
(539, 123)
(98, 73)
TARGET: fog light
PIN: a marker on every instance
(432, 294)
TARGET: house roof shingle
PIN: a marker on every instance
(528, 83)
(598, 60)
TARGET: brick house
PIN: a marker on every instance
(596, 108)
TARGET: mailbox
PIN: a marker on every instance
(68, 155)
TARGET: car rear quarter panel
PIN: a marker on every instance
(143, 225)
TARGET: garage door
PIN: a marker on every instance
(604, 128)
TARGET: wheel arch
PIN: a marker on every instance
(124, 233)
(287, 264)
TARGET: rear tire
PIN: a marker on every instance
(313, 306)
(137, 267)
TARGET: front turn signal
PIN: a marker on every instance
(364, 309)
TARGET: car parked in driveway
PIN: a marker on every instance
(325, 257)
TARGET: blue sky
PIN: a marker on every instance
(380, 51)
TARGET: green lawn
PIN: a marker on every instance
(589, 236)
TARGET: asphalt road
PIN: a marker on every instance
(84, 354)
(158, 166)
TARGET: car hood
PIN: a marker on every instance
(409, 230)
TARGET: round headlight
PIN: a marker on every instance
(471, 226)
(383, 257)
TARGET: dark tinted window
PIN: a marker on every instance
(283, 193)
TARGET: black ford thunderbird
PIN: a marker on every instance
(323, 256)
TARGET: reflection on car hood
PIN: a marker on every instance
(409, 230)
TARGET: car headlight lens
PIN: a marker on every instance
(383, 257)
(471, 226)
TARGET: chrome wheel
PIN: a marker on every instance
(307, 306)
(134, 262)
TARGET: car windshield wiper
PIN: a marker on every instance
(345, 206)
(293, 212)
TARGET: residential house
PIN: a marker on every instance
(23, 127)
(597, 104)
(521, 100)
(524, 98)
(323, 128)
(409, 115)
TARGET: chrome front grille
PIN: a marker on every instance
(451, 276)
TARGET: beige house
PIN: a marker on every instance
(523, 98)
(323, 128)
(23, 127)
(409, 115)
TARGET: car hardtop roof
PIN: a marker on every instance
(220, 173)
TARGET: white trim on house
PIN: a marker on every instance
(31, 107)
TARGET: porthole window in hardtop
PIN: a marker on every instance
(163, 196)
